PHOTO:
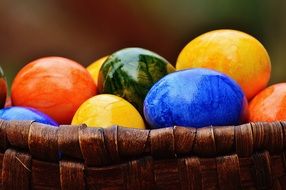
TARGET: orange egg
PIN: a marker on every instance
(234, 53)
(54, 85)
(269, 104)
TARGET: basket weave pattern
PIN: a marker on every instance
(37, 156)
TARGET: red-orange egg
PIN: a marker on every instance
(54, 85)
(269, 104)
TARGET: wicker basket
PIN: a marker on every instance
(36, 156)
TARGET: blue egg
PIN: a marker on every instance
(24, 113)
(195, 98)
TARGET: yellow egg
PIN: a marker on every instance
(94, 68)
(234, 53)
(105, 110)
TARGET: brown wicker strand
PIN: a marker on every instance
(16, 171)
(184, 139)
(43, 142)
(18, 133)
(68, 141)
(162, 143)
(228, 172)
(3, 136)
(45, 175)
(267, 136)
(111, 143)
(284, 133)
(205, 144)
(140, 174)
(72, 175)
(131, 142)
(224, 139)
(190, 173)
(262, 170)
(244, 140)
(92, 146)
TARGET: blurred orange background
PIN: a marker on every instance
(87, 30)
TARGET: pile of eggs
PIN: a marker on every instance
(220, 78)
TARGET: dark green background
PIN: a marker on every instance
(89, 29)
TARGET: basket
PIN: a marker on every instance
(38, 156)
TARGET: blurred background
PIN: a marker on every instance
(87, 30)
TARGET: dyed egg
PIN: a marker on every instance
(269, 104)
(106, 110)
(8, 102)
(196, 98)
(55, 86)
(234, 53)
(3, 89)
(94, 68)
(131, 72)
(23, 113)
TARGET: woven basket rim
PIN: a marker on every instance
(36, 155)
(124, 144)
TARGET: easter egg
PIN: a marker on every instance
(24, 113)
(234, 53)
(55, 86)
(131, 72)
(8, 102)
(94, 68)
(3, 89)
(269, 104)
(106, 110)
(196, 98)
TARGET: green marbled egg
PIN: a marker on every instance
(131, 72)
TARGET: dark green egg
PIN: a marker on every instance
(131, 72)
(3, 89)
